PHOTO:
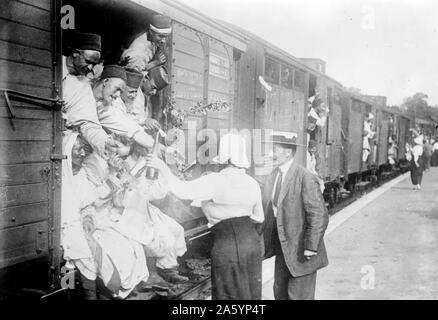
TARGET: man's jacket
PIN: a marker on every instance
(302, 219)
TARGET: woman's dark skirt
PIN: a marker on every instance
(236, 260)
(434, 159)
(416, 173)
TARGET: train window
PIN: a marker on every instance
(272, 71)
(287, 76)
(299, 81)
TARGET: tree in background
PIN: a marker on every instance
(417, 105)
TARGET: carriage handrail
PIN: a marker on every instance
(30, 97)
(8, 93)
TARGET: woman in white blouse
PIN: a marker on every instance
(231, 201)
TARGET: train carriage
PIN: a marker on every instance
(208, 60)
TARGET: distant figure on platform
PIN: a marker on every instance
(416, 161)
(434, 160)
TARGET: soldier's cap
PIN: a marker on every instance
(113, 71)
(161, 24)
(133, 78)
(86, 41)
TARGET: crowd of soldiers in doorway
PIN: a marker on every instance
(110, 231)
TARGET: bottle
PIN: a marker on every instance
(151, 172)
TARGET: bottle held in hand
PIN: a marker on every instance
(151, 172)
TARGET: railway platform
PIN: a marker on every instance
(382, 246)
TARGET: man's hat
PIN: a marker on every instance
(86, 41)
(159, 76)
(370, 116)
(133, 79)
(286, 139)
(113, 71)
(161, 24)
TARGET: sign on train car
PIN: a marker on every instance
(30, 145)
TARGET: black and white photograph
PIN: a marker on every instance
(220, 150)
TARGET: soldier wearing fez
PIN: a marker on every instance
(146, 55)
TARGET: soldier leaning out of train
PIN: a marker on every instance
(368, 134)
(81, 54)
(113, 117)
(133, 100)
(311, 162)
(146, 51)
(231, 201)
(317, 114)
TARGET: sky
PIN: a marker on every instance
(386, 47)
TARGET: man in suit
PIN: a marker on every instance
(295, 221)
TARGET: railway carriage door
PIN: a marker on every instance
(355, 138)
(345, 145)
(30, 144)
(284, 107)
(383, 142)
(334, 128)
